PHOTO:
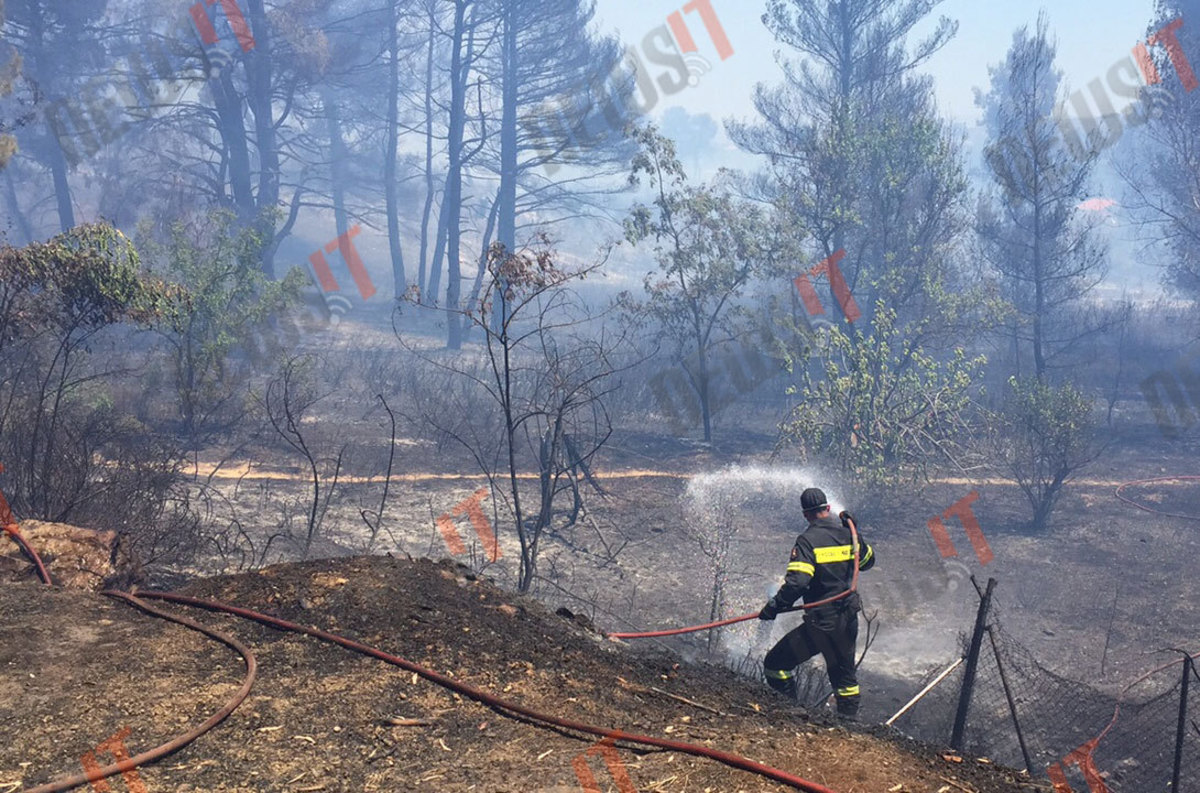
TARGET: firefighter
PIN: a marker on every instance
(821, 567)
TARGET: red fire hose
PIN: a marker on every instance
(747, 617)
(8, 525)
(729, 759)
(183, 740)
(1152, 481)
(12, 531)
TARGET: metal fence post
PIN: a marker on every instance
(968, 685)
(1012, 704)
(1188, 671)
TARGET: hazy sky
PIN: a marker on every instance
(1092, 35)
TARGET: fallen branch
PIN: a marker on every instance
(638, 689)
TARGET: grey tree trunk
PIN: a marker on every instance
(399, 279)
(428, 209)
(452, 208)
(259, 72)
(337, 168)
(507, 219)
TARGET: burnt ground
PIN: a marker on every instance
(79, 667)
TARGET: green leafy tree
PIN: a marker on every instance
(1044, 248)
(1163, 181)
(231, 305)
(883, 409)
(1044, 437)
(708, 248)
(57, 417)
(857, 156)
(855, 151)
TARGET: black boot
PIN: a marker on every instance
(785, 686)
(847, 708)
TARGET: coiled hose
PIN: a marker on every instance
(479, 695)
(178, 743)
(9, 526)
(727, 758)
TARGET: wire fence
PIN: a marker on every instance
(1023, 715)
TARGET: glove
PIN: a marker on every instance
(769, 611)
(847, 518)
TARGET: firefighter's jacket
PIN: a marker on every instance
(822, 566)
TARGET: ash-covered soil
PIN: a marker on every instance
(78, 668)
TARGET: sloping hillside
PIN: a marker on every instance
(80, 668)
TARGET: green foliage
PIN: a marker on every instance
(73, 453)
(1044, 436)
(231, 302)
(881, 408)
(708, 247)
(85, 279)
(1046, 251)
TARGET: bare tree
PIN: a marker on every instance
(542, 374)
(288, 402)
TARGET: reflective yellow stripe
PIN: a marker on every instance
(870, 553)
(851, 691)
(834, 553)
(778, 674)
(801, 567)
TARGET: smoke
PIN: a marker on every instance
(744, 520)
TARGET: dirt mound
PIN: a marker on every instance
(83, 669)
(75, 558)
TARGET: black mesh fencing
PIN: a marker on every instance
(1068, 728)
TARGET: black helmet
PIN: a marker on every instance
(813, 500)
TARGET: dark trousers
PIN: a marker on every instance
(834, 637)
